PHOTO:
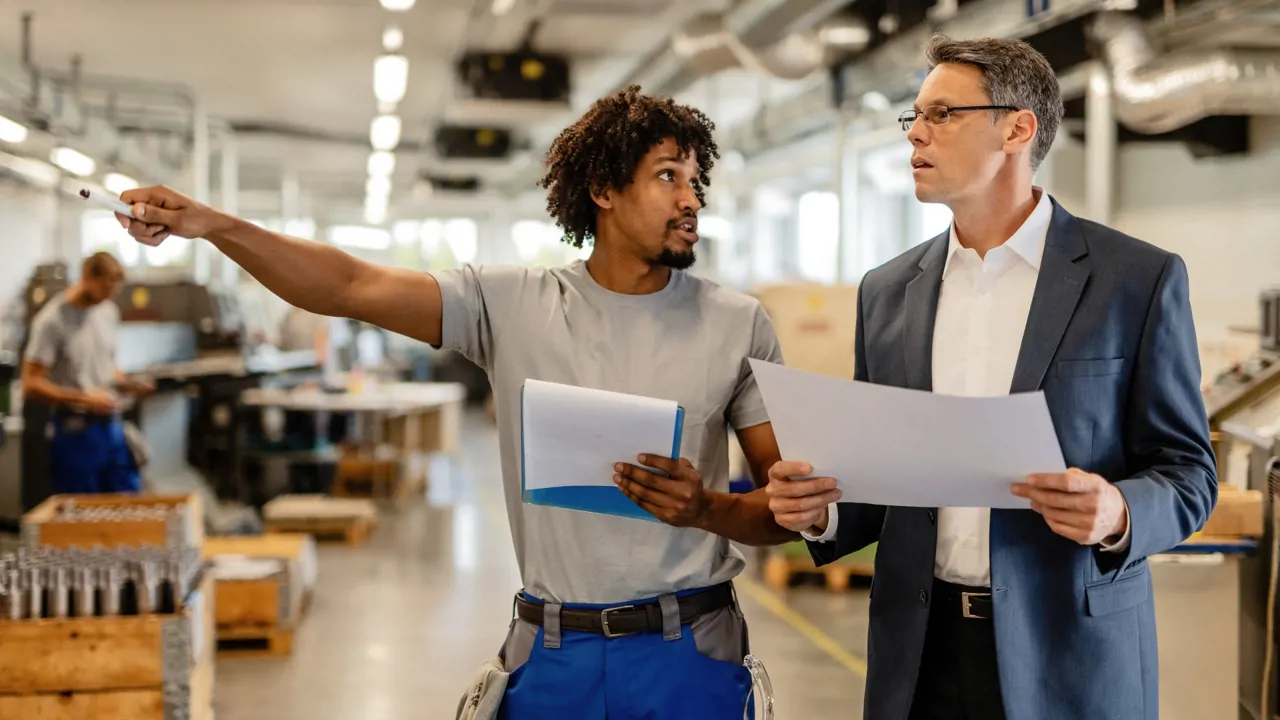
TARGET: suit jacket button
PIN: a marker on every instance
(924, 597)
(933, 517)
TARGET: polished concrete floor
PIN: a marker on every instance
(398, 626)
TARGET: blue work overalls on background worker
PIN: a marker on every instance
(70, 363)
(619, 618)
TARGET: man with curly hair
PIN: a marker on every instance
(618, 618)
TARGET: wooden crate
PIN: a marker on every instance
(151, 667)
(43, 526)
(268, 608)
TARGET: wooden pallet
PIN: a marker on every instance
(351, 531)
(254, 641)
(781, 570)
(321, 517)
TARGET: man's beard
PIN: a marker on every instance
(677, 260)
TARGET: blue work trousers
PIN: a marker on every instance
(696, 673)
(90, 456)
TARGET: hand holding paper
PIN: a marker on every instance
(679, 499)
(800, 504)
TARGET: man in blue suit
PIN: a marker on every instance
(1041, 614)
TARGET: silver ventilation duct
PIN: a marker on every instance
(707, 45)
(1156, 93)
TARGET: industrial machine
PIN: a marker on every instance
(1244, 414)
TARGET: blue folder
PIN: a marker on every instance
(603, 500)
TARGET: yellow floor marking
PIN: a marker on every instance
(784, 612)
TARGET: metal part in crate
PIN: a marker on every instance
(68, 583)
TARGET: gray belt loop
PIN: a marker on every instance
(670, 617)
(551, 625)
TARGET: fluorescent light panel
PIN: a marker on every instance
(74, 162)
(390, 78)
(384, 132)
(11, 132)
(392, 39)
(377, 186)
(381, 164)
(117, 183)
(502, 7)
(397, 5)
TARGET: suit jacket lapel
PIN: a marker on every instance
(921, 312)
(1063, 275)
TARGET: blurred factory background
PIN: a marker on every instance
(412, 134)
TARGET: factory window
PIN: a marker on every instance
(173, 252)
(462, 236)
(935, 219)
(359, 237)
(818, 236)
(429, 238)
(539, 244)
(99, 230)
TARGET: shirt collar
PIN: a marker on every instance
(1027, 241)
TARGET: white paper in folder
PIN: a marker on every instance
(892, 446)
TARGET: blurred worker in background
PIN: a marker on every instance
(618, 618)
(70, 363)
(1045, 613)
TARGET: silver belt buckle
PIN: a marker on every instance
(966, 608)
(604, 621)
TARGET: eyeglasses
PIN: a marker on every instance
(941, 114)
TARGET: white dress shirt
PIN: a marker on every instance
(983, 306)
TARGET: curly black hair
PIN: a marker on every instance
(601, 151)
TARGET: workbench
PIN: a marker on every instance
(398, 421)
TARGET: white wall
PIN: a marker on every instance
(28, 236)
(1222, 215)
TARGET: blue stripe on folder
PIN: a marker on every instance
(600, 499)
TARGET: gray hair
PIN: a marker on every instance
(1014, 74)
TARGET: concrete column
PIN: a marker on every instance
(229, 200)
(202, 253)
(1100, 146)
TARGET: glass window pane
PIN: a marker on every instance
(818, 234)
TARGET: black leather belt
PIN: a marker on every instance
(628, 619)
(973, 603)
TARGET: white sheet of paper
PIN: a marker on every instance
(892, 446)
(575, 435)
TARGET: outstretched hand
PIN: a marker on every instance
(678, 500)
(160, 212)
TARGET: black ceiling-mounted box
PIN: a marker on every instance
(515, 76)
(472, 142)
(452, 183)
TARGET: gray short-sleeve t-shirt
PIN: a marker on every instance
(78, 346)
(688, 342)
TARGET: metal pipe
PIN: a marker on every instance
(1158, 93)
(1100, 146)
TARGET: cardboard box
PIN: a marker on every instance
(815, 324)
(1238, 513)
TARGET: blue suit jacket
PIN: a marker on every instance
(1110, 342)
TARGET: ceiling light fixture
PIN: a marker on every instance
(377, 186)
(74, 162)
(397, 5)
(11, 132)
(117, 183)
(392, 39)
(381, 163)
(502, 7)
(375, 213)
(384, 132)
(390, 78)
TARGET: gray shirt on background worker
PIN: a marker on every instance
(686, 342)
(77, 345)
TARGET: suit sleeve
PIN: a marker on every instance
(1174, 485)
(857, 524)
